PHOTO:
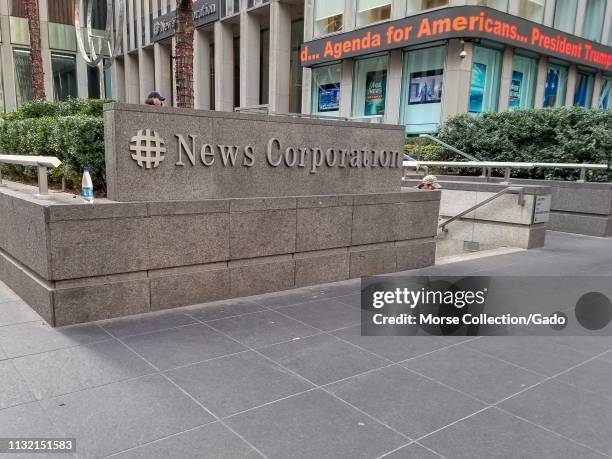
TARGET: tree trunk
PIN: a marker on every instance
(184, 53)
(38, 73)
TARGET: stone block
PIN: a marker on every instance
(84, 248)
(505, 209)
(582, 199)
(188, 207)
(417, 220)
(179, 240)
(456, 201)
(250, 277)
(415, 254)
(374, 223)
(100, 209)
(372, 260)
(101, 298)
(321, 267)
(176, 287)
(35, 291)
(537, 236)
(308, 202)
(262, 233)
(591, 225)
(502, 235)
(323, 228)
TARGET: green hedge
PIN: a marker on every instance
(72, 130)
(551, 135)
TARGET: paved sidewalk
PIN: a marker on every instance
(287, 375)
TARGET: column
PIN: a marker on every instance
(596, 90)
(82, 77)
(306, 71)
(8, 66)
(506, 79)
(280, 56)
(147, 22)
(549, 13)
(541, 82)
(571, 86)
(250, 58)
(456, 93)
(118, 79)
(132, 86)
(580, 12)
(146, 72)
(394, 88)
(162, 71)
(224, 66)
(346, 88)
(398, 9)
(201, 69)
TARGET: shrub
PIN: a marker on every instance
(551, 135)
(72, 130)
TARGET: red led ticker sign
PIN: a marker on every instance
(457, 22)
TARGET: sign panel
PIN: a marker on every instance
(457, 22)
(204, 12)
(541, 209)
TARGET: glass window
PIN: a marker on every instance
(583, 93)
(370, 87)
(555, 86)
(486, 77)
(326, 90)
(62, 11)
(64, 76)
(295, 69)
(592, 26)
(565, 15)
(17, 8)
(369, 11)
(23, 76)
(422, 83)
(264, 65)
(108, 85)
(606, 93)
(415, 6)
(523, 82)
(93, 82)
(236, 71)
(328, 16)
(2, 108)
(532, 9)
(501, 5)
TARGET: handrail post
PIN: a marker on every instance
(1, 184)
(582, 174)
(43, 185)
(506, 176)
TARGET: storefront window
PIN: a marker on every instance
(565, 15)
(23, 76)
(501, 5)
(93, 82)
(328, 16)
(370, 87)
(555, 86)
(326, 90)
(264, 66)
(422, 87)
(532, 9)
(486, 77)
(64, 76)
(62, 11)
(606, 93)
(523, 82)
(594, 15)
(416, 6)
(583, 94)
(369, 11)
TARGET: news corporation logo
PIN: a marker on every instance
(148, 149)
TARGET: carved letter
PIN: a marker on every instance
(249, 156)
(271, 144)
(229, 154)
(207, 156)
(182, 145)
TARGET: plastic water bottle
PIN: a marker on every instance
(87, 186)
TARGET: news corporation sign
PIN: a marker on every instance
(204, 12)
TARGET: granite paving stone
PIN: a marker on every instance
(224, 309)
(594, 376)
(405, 401)
(219, 384)
(137, 325)
(181, 346)
(13, 388)
(67, 370)
(323, 359)
(125, 414)
(15, 312)
(314, 425)
(325, 315)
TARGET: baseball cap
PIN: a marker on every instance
(156, 95)
(432, 180)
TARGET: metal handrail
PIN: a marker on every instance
(450, 147)
(521, 202)
(508, 166)
(41, 162)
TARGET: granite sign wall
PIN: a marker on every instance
(168, 154)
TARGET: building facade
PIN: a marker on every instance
(257, 55)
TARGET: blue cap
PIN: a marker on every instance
(86, 169)
(156, 95)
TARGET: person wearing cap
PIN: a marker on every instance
(155, 98)
(429, 182)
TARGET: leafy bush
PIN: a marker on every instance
(551, 135)
(72, 130)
